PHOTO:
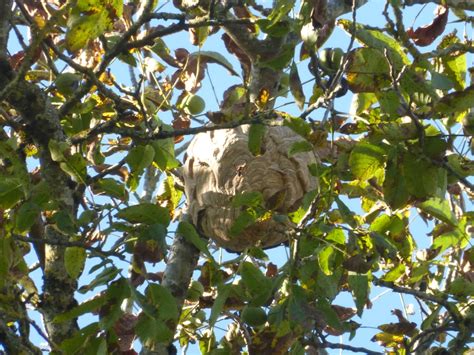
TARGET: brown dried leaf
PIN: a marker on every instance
(181, 55)
(124, 328)
(272, 270)
(344, 313)
(16, 59)
(425, 35)
(234, 49)
(243, 12)
(180, 122)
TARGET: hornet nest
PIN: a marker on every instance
(220, 166)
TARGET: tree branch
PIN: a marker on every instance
(424, 296)
(459, 4)
(182, 260)
(15, 344)
(355, 349)
(5, 13)
(41, 125)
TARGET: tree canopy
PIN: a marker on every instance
(98, 103)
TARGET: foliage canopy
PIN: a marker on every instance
(97, 102)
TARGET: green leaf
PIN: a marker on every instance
(256, 134)
(366, 160)
(299, 147)
(441, 81)
(162, 299)
(74, 261)
(76, 167)
(346, 214)
(368, 70)
(248, 199)
(11, 192)
(57, 150)
(151, 330)
(394, 185)
(455, 237)
(454, 64)
(147, 213)
(461, 287)
(112, 188)
(423, 179)
(329, 314)
(6, 257)
(282, 60)
(281, 8)
(337, 236)
(85, 307)
(79, 339)
(455, 102)
(259, 286)
(85, 28)
(378, 40)
(140, 158)
(64, 222)
(244, 220)
(439, 208)
(394, 274)
(104, 277)
(297, 305)
(298, 125)
(359, 284)
(214, 57)
(296, 87)
(361, 102)
(189, 233)
(164, 154)
(222, 295)
(324, 259)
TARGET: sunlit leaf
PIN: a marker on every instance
(395, 273)
(74, 261)
(377, 40)
(366, 160)
(248, 199)
(140, 157)
(85, 307)
(259, 286)
(359, 284)
(11, 192)
(148, 213)
(299, 147)
(189, 233)
(440, 209)
(222, 295)
(256, 134)
(455, 102)
(296, 87)
(368, 70)
(324, 259)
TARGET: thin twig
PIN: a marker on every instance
(70, 244)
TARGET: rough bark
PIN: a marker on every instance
(5, 13)
(41, 124)
(182, 260)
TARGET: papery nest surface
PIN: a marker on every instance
(219, 166)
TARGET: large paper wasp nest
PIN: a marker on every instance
(219, 166)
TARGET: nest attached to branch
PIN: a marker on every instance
(220, 166)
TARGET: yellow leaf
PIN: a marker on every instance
(263, 97)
